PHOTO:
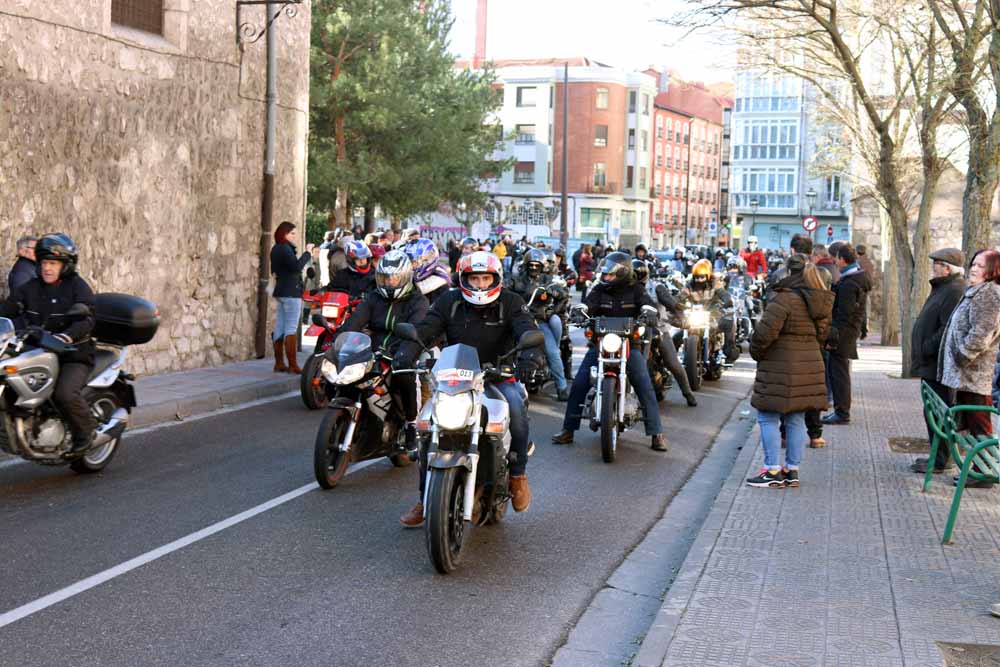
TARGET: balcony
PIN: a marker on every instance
(525, 139)
(603, 189)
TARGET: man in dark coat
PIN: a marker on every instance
(24, 268)
(848, 319)
(947, 287)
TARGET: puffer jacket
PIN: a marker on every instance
(786, 346)
(969, 345)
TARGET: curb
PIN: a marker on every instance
(656, 644)
(178, 410)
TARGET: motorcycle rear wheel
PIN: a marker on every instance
(445, 526)
(609, 418)
(329, 462)
(102, 405)
(692, 355)
(313, 394)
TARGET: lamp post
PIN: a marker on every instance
(753, 210)
(715, 214)
(811, 198)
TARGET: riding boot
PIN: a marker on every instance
(279, 357)
(685, 387)
(290, 350)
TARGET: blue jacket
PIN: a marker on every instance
(22, 271)
(287, 271)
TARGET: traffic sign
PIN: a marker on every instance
(713, 228)
(658, 228)
(810, 224)
(829, 231)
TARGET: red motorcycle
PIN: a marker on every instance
(329, 311)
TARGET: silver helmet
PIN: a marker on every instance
(394, 275)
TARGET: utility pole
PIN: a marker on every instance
(564, 207)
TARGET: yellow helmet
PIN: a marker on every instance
(702, 267)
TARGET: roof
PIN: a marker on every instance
(574, 61)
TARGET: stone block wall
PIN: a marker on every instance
(148, 151)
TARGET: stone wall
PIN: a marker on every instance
(148, 151)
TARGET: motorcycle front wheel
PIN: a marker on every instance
(692, 355)
(102, 405)
(312, 383)
(445, 523)
(329, 462)
(609, 418)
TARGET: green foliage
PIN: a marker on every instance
(316, 225)
(414, 132)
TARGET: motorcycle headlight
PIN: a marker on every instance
(611, 343)
(351, 374)
(331, 312)
(329, 370)
(698, 319)
(452, 412)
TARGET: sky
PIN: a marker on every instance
(622, 33)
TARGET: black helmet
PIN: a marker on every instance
(533, 262)
(639, 247)
(59, 248)
(618, 267)
(641, 270)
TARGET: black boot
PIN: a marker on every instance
(563, 437)
(410, 435)
(81, 443)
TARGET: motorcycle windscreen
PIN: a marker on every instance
(456, 369)
(351, 347)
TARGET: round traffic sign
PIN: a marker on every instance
(810, 224)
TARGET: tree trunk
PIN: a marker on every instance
(890, 304)
(369, 219)
(977, 202)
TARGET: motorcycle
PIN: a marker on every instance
(468, 462)
(742, 310)
(334, 309)
(32, 427)
(363, 419)
(542, 304)
(611, 404)
(702, 346)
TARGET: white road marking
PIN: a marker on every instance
(148, 557)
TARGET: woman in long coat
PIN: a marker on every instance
(791, 379)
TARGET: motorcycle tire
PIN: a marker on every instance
(444, 526)
(692, 353)
(609, 418)
(313, 393)
(102, 404)
(329, 463)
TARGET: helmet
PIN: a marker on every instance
(560, 252)
(752, 241)
(551, 262)
(59, 248)
(480, 262)
(702, 269)
(732, 263)
(424, 255)
(410, 234)
(639, 247)
(533, 262)
(394, 275)
(641, 270)
(617, 266)
(470, 243)
(356, 251)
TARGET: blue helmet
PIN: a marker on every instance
(424, 255)
(357, 250)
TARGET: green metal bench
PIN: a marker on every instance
(978, 457)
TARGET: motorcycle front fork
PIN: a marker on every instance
(345, 445)
(469, 492)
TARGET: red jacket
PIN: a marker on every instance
(756, 261)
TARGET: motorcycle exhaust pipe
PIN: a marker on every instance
(113, 429)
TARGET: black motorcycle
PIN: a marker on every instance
(363, 420)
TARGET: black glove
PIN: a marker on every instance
(401, 362)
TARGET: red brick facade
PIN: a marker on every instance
(584, 151)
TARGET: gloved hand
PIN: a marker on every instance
(401, 362)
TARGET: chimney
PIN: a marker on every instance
(480, 55)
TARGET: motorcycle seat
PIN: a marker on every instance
(102, 361)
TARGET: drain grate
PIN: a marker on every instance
(910, 445)
(969, 655)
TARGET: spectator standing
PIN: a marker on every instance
(587, 264)
(288, 287)
(969, 345)
(454, 253)
(823, 260)
(848, 320)
(576, 259)
(24, 268)
(947, 288)
(787, 344)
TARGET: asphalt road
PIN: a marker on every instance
(325, 578)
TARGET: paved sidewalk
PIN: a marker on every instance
(849, 568)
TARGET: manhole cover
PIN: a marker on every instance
(909, 445)
(969, 655)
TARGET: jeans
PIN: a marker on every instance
(638, 375)
(286, 322)
(770, 437)
(68, 397)
(552, 330)
(668, 351)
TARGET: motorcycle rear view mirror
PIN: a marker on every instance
(407, 331)
(533, 338)
(319, 320)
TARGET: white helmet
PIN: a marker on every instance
(752, 241)
(480, 262)
(394, 275)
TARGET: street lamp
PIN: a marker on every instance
(715, 237)
(753, 209)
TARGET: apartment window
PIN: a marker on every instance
(524, 172)
(631, 139)
(772, 188)
(631, 101)
(670, 162)
(595, 218)
(677, 136)
(629, 176)
(645, 140)
(548, 173)
(600, 175)
(658, 190)
(831, 191)
(766, 140)
(145, 15)
(552, 97)
(526, 96)
(525, 134)
(600, 135)
(645, 104)
(551, 133)
(677, 191)
(642, 178)
(659, 160)
(602, 98)
(659, 133)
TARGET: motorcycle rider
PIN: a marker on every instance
(484, 315)
(563, 269)
(677, 263)
(359, 276)
(531, 277)
(668, 351)
(430, 277)
(618, 294)
(702, 289)
(754, 257)
(57, 288)
(735, 275)
(393, 300)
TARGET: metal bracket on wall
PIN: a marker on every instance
(249, 33)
